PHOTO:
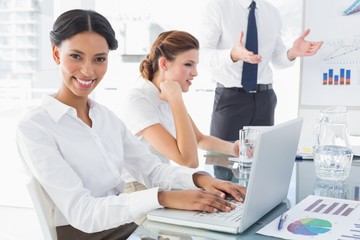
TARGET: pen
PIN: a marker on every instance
(282, 220)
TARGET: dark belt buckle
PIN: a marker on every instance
(253, 91)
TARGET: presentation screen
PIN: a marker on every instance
(332, 77)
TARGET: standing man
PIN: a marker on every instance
(238, 40)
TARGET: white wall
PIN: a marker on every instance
(199, 99)
(122, 74)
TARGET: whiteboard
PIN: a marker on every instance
(339, 55)
(332, 76)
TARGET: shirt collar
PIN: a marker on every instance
(246, 3)
(57, 109)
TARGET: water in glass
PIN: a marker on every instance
(332, 152)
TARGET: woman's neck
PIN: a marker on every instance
(157, 79)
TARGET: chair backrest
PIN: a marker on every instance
(43, 207)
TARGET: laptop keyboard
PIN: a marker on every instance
(234, 215)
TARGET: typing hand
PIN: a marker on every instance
(199, 200)
(219, 187)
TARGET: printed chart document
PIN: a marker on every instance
(318, 217)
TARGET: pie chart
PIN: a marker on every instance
(309, 226)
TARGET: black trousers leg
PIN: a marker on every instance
(68, 232)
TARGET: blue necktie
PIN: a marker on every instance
(249, 74)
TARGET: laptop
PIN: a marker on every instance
(268, 185)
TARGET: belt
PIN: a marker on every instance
(259, 88)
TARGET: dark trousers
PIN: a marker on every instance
(233, 109)
(68, 232)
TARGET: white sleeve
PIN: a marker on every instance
(82, 209)
(279, 57)
(140, 113)
(210, 31)
(146, 168)
(66, 189)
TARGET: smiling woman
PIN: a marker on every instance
(81, 54)
(29, 72)
(77, 149)
(83, 65)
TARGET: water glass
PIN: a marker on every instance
(332, 152)
(247, 139)
(334, 189)
(332, 162)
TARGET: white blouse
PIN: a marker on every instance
(144, 108)
(80, 167)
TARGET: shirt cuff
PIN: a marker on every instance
(286, 61)
(144, 201)
(187, 181)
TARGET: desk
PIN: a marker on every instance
(151, 230)
(305, 184)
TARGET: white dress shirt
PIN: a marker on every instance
(219, 31)
(144, 108)
(80, 166)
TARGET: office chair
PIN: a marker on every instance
(43, 207)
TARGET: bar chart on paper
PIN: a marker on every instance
(319, 217)
(353, 233)
(331, 206)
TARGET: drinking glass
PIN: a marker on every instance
(332, 152)
(247, 140)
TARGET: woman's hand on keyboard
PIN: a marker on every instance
(199, 200)
(219, 187)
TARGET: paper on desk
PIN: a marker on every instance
(318, 217)
(305, 152)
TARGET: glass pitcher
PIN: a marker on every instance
(332, 151)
